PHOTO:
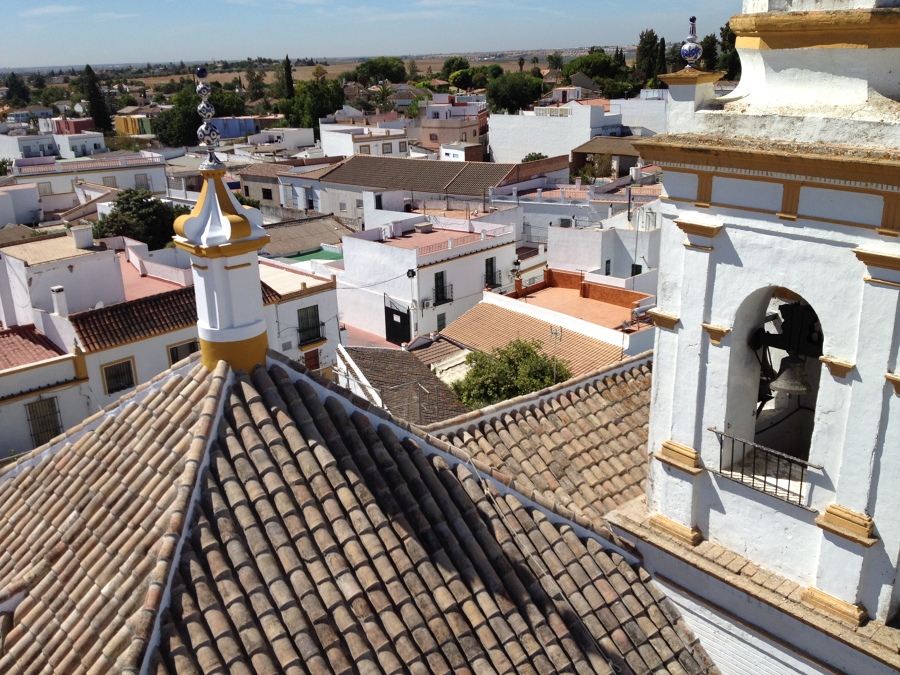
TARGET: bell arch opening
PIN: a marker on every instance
(773, 385)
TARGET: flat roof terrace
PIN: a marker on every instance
(569, 302)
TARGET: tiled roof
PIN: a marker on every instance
(305, 235)
(21, 345)
(11, 233)
(407, 386)
(486, 327)
(584, 444)
(609, 145)
(266, 169)
(138, 319)
(300, 530)
(437, 351)
(459, 178)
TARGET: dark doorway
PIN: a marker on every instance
(396, 326)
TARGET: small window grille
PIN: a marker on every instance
(182, 351)
(43, 420)
(118, 376)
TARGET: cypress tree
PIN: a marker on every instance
(96, 102)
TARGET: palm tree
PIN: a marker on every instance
(521, 63)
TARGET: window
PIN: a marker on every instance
(365, 149)
(267, 193)
(309, 327)
(432, 137)
(435, 116)
(359, 203)
(464, 137)
(442, 322)
(342, 206)
(182, 351)
(96, 146)
(446, 154)
(109, 181)
(45, 189)
(118, 376)
(387, 148)
(608, 268)
(636, 269)
(401, 146)
(442, 291)
(491, 276)
(141, 181)
(43, 420)
(246, 190)
(311, 359)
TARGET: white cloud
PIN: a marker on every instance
(47, 10)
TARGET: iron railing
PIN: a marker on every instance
(493, 279)
(313, 333)
(442, 294)
(762, 468)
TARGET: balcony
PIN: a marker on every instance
(442, 294)
(309, 334)
(493, 280)
(763, 469)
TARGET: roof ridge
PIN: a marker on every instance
(187, 487)
(504, 480)
(539, 396)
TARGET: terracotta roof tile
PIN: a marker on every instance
(304, 534)
(125, 322)
(304, 235)
(406, 386)
(486, 327)
(21, 345)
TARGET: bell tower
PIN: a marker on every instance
(223, 238)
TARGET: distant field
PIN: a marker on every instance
(335, 69)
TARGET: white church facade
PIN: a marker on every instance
(772, 502)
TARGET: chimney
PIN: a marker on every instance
(60, 306)
(83, 236)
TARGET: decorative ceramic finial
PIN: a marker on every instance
(691, 51)
(207, 134)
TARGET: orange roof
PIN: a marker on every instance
(486, 327)
(21, 345)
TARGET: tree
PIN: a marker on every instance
(412, 71)
(227, 103)
(516, 369)
(312, 101)
(513, 91)
(533, 157)
(595, 64)
(710, 46)
(462, 79)
(97, 109)
(126, 100)
(453, 64)
(255, 85)
(521, 63)
(18, 90)
(674, 60)
(38, 81)
(178, 126)
(319, 74)
(381, 68)
(555, 61)
(645, 57)
(288, 77)
(661, 68)
(139, 215)
(729, 60)
(535, 60)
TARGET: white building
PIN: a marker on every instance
(454, 106)
(291, 139)
(18, 147)
(340, 140)
(55, 179)
(84, 144)
(409, 274)
(19, 204)
(772, 505)
(551, 131)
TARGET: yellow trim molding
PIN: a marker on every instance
(837, 367)
(686, 535)
(225, 250)
(848, 29)
(237, 267)
(894, 380)
(853, 526)
(843, 611)
(662, 319)
(883, 282)
(697, 247)
(716, 333)
(885, 261)
(698, 229)
(679, 457)
(692, 76)
(240, 355)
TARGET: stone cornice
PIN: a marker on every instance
(885, 261)
(692, 76)
(847, 29)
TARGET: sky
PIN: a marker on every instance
(73, 32)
